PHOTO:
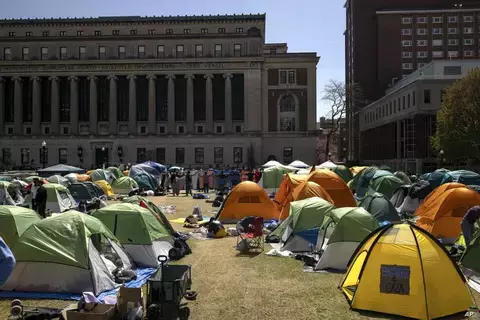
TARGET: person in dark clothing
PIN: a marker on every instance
(41, 199)
(250, 175)
(468, 223)
(188, 184)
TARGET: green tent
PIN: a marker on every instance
(59, 198)
(59, 180)
(272, 177)
(14, 221)
(143, 236)
(31, 178)
(343, 172)
(66, 253)
(386, 185)
(404, 177)
(380, 207)
(124, 185)
(139, 200)
(342, 231)
(100, 174)
(299, 232)
(117, 173)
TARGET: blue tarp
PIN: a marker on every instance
(466, 177)
(157, 166)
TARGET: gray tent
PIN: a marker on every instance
(59, 169)
(380, 207)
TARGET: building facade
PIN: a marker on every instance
(396, 130)
(338, 147)
(196, 91)
(386, 40)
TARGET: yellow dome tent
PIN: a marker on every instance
(106, 187)
(401, 269)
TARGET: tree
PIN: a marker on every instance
(458, 121)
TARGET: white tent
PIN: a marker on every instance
(272, 163)
(327, 165)
(299, 164)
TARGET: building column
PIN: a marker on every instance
(152, 105)
(190, 112)
(209, 102)
(18, 113)
(36, 106)
(55, 120)
(112, 114)
(171, 104)
(228, 103)
(2, 106)
(132, 106)
(73, 105)
(398, 142)
(93, 116)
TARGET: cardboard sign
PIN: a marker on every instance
(395, 279)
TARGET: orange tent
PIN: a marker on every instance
(307, 189)
(247, 199)
(356, 170)
(442, 211)
(290, 182)
(335, 186)
(440, 190)
(83, 177)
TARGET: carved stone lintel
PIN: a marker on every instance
(228, 75)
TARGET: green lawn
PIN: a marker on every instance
(252, 287)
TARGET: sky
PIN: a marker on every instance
(306, 25)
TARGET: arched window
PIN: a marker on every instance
(288, 113)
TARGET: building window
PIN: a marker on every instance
(28, 34)
(44, 53)
(422, 20)
(141, 155)
(133, 32)
(452, 30)
(62, 156)
(283, 76)
(421, 43)
(406, 32)
(151, 32)
(186, 31)
(287, 155)
(406, 20)
(452, 19)
(161, 129)
(161, 155)
(237, 50)
(63, 33)
(198, 51)
(437, 31)
(467, 18)
(291, 77)
(82, 53)
(422, 31)
(238, 129)
(453, 42)
(218, 129)
(199, 158)
(437, 42)
(406, 43)
(181, 129)
(11, 34)
(422, 54)
(237, 155)
(6, 156)
(204, 31)
(141, 51)
(46, 33)
(160, 51)
(403, 102)
(453, 54)
(239, 30)
(121, 52)
(218, 155)
(115, 32)
(406, 54)
(288, 113)
(408, 101)
(407, 66)
(25, 155)
(467, 30)
(97, 32)
(80, 33)
(273, 50)
(102, 52)
(437, 54)
(63, 53)
(169, 31)
(426, 96)
(179, 51)
(218, 50)
(221, 30)
(179, 155)
(468, 53)
(468, 42)
(437, 19)
(25, 53)
(414, 100)
(200, 129)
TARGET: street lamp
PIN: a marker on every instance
(329, 155)
(44, 154)
(440, 158)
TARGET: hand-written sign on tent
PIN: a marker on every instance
(395, 279)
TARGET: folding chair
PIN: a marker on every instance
(250, 234)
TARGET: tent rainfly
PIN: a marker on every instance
(60, 169)
(272, 163)
(299, 164)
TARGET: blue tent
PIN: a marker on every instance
(437, 178)
(466, 177)
(157, 166)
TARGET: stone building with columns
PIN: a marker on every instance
(196, 91)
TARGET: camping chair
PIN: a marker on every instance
(250, 234)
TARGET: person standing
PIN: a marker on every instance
(188, 184)
(33, 193)
(41, 199)
(468, 223)
(7, 262)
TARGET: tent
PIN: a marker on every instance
(357, 169)
(290, 182)
(30, 179)
(10, 194)
(343, 172)
(335, 186)
(59, 180)
(246, 199)
(399, 196)
(442, 211)
(386, 185)
(124, 185)
(380, 207)
(59, 198)
(100, 174)
(14, 221)
(299, 164)
(307, 189)
(117, 173)
(298, 233)
(272, 163)
(137, 229)
(60, 169)
(403, 176)
(20, 184)
(83, 177)
(66, 254)
(437, 177)
(361, 181)
(160, 168)
(327, 165)
(469, 261)
(272, 177)
(342, 230)
(466, 177)
(106, 187)
(402, 270)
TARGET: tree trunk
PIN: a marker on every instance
(327, 148)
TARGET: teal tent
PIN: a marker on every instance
(380, 207)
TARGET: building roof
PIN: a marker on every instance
(157, 19)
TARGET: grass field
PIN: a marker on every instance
(231, 286)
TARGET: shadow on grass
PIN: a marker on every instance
(249, 254)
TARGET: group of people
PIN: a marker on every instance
(175, 183)
(39, 197)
